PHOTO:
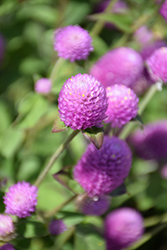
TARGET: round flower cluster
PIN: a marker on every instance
(43, 86)
(149, 49)
(6, 226)
(21, 199)
(143, 35)
(157, 65)
(123, 105)
(82, 102)
(101, 171)
(151, 143)
(93, 206)
(73, 43)
(116, 67)
(57, 227)
(123, 227)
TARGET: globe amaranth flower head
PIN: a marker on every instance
(123, 227)
(123, 105)
(73, 43)
(82, 102)
(149, 49)
(151, 142)
(163, 10)
(43, 86)
(21, 199)
(157, 65)
(7, 246)
(101, 171)
(119, 66)
(57, 227)
(93, 206)
(6, 227)
(143, 35)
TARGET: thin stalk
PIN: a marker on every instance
(130, 126)
(55, 69)
(58, 208)
(54, 157)
(97, 28)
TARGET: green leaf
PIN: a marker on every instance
(10, 141)
(86, 237)
(123, 22)
(94, 135)
(31, 228)
(58, 125)
(138, 119)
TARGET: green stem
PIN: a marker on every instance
(57, 209)
(97, 28)
(55, 69)
(130, 126)
(54, 157)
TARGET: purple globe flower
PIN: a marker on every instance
(163, 10)
(73, 43)
(143, 35)
(43, 86)
(157, 65)
(119, 66)
(123, 227)
(142, 84)
(57, 227)
(6, 227)
(82, 102)
(101, 171)
(21, 199)
(151, 143)
(123, 105)
(93, 206)
(149, 49)
(7, 246)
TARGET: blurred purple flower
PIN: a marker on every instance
(73, 43)
(57, 227)
(123, 105)
(151, 142)
(7, 246)
(164, 172)
(43, 86)
(93, 206)
(123, 227)
(101, 171)
(21, 199)
(82, 102)
(149, 49)
(143, 35)
(6, 226)
(163, 10)
(119, 66)
(157, 63)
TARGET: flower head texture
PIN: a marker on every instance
(6, 226)
(163, 10)
(7, 246)
(73, 43)
(43, 86)
(151, 142)
(21, 199)
(123, 105)
(82, 102)
(119, 66)
(157, 65)
(57, 227)
(123, 227)
(101, 171)
(94, 206)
